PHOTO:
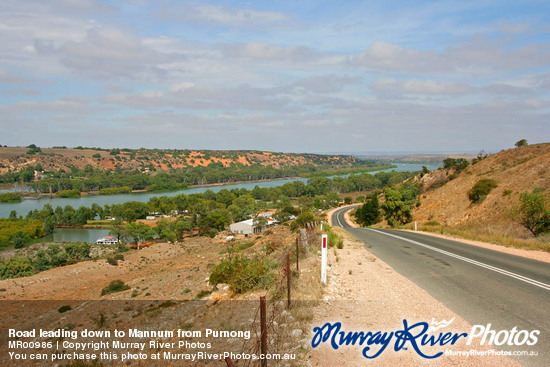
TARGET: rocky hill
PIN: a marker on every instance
(13, 159)
(445, 197)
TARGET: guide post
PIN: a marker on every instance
(324, 246)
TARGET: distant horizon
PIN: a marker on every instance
(352, 153)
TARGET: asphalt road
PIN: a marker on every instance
(481, 285)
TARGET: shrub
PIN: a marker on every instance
(481, 189)
(112, 261)
(68, 193)
(203, 294)
(114, 287)
(432, 223)
(19, 238)
(459, 164)
(242, 274)
(533, 213)
(115, 190)
(16, 267)
(10, 197)
(64, 309)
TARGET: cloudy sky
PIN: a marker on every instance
(293, 76)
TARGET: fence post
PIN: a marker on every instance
(288, 278)
(229, 362)
(297, 256)
(263, 330)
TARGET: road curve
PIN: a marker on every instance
(481, 285)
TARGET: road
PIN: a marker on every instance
(481, 285)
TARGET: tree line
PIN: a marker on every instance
(212, 212)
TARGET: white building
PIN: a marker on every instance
(248, 227)
(108, 240)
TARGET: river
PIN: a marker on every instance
(89, 235)
(29, 204)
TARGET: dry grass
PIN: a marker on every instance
(487, 233)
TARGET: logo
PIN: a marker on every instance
(439, 325)
(503, 337)
(415, 336)
(419, 337)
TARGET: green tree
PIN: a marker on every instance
(304, 220)
(397, 210)
(369, 213)
(260, 221)
(140, 232)
(521, 143)
(533, 212)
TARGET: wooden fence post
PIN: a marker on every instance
(297, 256)
(288, 278)
(263, 330)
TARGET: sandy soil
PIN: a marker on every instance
(147, 271)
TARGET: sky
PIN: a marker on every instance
(290, 76)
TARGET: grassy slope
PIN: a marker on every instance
(515, 170)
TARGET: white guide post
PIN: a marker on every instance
(324, 245)
(415, 226)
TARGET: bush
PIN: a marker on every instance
(242, 274)
(533, 213)
(203, 294)
(68, 193)
(112, 261)
(459, 164)
(10, 197)
(115, 190)
(19, 231)
(16, 267)
(333, 238)
(114, 287)
(481, 189)
(64, 309)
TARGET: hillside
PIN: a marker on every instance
(515, 170)
(13, 159)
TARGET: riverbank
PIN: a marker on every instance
(341, 172)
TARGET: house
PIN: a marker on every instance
(248, 227)
(108, 240)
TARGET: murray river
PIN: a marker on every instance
(90, 235)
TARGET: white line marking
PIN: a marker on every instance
(338, 217)
(474, 262)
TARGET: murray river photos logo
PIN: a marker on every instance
(420, 337)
